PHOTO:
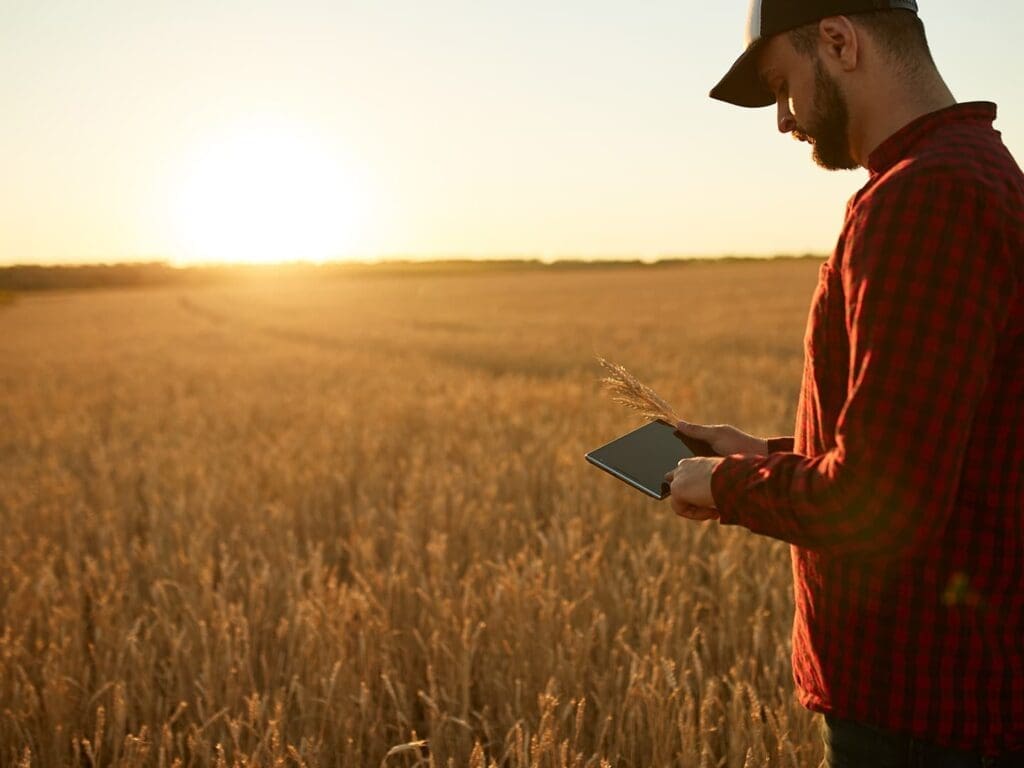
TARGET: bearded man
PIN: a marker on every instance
(902, 491)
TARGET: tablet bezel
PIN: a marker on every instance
(696, 447)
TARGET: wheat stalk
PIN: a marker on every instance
(627, 389)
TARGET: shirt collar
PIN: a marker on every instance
(897, 146)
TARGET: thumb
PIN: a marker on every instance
(691, 429)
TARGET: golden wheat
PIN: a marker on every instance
(629, 391)
(350, 524)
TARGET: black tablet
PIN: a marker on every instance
(643, 456)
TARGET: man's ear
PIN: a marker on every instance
(838, 38)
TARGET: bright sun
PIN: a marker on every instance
(264, 194)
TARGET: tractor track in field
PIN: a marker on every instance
(496, 362)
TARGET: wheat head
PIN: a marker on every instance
(626, 389)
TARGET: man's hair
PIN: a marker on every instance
(899, 33)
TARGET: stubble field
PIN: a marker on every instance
(314, 523)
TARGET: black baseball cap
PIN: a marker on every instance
(742, 84)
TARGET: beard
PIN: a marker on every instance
(828, 130)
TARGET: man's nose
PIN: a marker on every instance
(787, 123)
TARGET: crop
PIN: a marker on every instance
(349, 523)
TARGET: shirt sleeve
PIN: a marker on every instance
(780, 444)
(927, 291)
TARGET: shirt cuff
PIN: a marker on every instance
(726, 481)
(780, 444)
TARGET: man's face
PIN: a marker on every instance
(810, 103)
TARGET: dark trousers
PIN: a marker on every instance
(854, 745)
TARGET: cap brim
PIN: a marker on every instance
(742, 84)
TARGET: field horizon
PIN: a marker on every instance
(99, 274)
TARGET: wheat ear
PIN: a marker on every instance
(625, 388)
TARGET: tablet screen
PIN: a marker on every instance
(642, 457)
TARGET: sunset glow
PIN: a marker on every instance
(266, 193)
(317, 131)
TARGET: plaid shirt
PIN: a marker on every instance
(902, 492)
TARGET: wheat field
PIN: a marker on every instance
(347, 522)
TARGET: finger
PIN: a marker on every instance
(694, 430)
(698, 513)
(679, 507)
(687, 511)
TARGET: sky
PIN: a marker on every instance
(233, 130)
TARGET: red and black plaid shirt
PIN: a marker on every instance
(902, 492)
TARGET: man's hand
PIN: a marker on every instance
(691, 479)
(725, 440)
(691, 488)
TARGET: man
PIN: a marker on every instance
(902, 492)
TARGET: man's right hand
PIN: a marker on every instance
(724, 439)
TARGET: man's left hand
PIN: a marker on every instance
(691, 488)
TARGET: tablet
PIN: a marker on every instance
(642, 457)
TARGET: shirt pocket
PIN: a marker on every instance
(825, 339)
(827, 358)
